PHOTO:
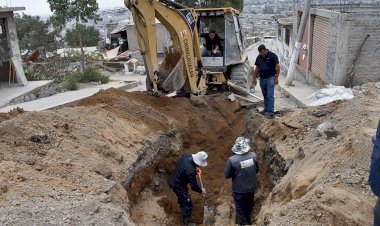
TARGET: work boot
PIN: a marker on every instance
(186, 221)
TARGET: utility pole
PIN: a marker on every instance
(297, 45)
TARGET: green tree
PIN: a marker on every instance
(35, 34)
(90, 36)
(82, 11)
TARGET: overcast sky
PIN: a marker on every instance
(41, 7)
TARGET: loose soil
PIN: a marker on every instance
(106, 161)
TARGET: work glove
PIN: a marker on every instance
(204, 191)
(253, 89)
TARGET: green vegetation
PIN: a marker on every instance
(35, 34)
(81, 11)
(71, 82)
(92, 74)
(90, 36)
(237, 4)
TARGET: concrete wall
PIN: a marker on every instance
(163, 38)
(367, 68)
(13, 47)
(282, 49)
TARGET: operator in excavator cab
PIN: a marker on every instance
(213, 44)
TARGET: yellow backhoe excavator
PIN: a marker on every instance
(183, 68)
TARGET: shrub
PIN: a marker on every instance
(71, 82)
(92, 75)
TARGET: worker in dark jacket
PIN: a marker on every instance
(374, 174)
(242, 167)
(184, 174)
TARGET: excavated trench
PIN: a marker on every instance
(151, 200)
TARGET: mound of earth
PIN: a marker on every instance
(106, 161)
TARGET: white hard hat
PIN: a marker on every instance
(200, 158)
(241, 146)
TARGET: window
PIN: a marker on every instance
(279, 35)
(3, 42)
(287, 36)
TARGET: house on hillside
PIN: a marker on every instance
(124, 33)
(334, 39)
(10, 58)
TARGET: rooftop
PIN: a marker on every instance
(284, 19)
(11, 9)
(350, 8)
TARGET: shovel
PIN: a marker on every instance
(208, 211)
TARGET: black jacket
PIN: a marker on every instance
(184, 173)
(242, 169)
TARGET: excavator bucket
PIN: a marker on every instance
(171, 75)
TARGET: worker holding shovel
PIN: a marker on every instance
(242, 167)
(184, 174)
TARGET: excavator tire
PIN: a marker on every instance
(240, 75)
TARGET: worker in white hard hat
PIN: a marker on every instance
(242, 167)
(184, 174)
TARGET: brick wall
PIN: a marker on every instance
(367, 68)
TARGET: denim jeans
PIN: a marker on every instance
(208, 53)
(244, 205)
(377, 213)
(267, 87)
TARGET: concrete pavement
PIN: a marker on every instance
(8, 93)
(298, 93)
(119, 80)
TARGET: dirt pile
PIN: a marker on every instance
(106, 161)
(326, 182)
(80, 165)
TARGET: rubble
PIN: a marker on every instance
(329, 94)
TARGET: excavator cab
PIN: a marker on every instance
(233, 65)
(225, 21)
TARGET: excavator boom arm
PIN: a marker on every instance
(181, 25)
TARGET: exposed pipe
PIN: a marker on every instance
(297, 45)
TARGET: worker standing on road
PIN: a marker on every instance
(374, 174)
(185, 173)
(242, 168)
(268, 68)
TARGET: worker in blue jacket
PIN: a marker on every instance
(184, 174)
(242, 167)
(374, 174)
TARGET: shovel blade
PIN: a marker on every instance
(208, 215)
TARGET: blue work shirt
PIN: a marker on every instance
(374, 174)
